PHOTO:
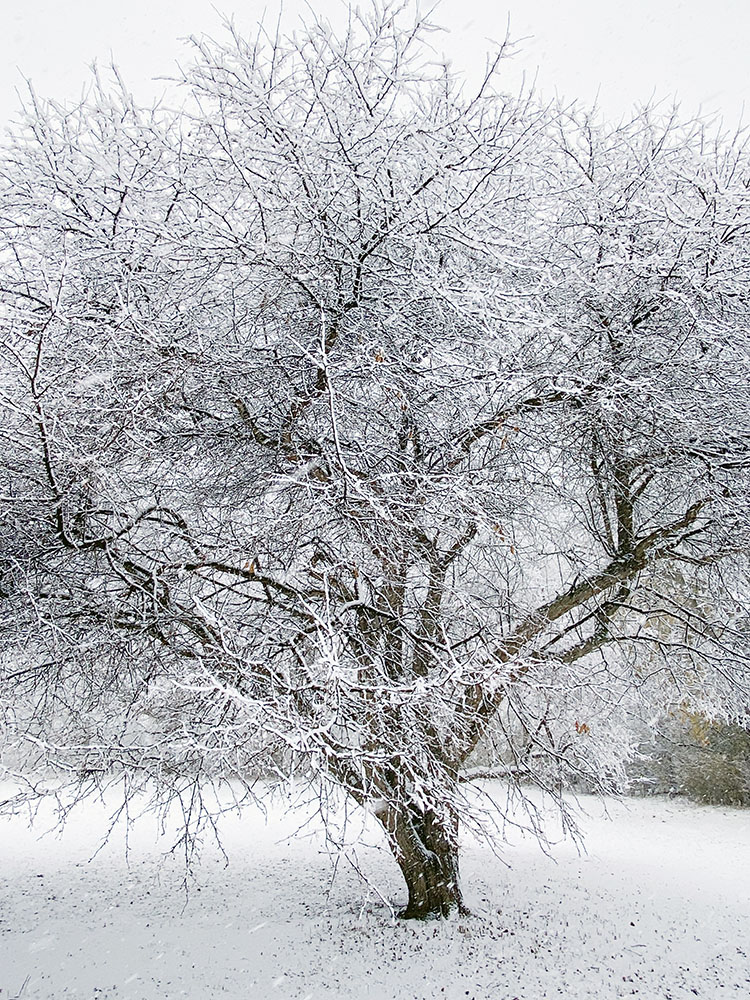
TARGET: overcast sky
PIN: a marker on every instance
(619, 51)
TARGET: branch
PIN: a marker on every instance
(477, 707)
(464, 441)
(490, 773)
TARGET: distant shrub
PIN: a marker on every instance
(693, 756)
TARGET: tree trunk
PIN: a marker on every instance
(425, 846)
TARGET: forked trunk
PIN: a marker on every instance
(425, 846)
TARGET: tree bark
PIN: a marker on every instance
(425, 845)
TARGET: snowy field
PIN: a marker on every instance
(658, 907)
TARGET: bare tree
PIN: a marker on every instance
(351, 418)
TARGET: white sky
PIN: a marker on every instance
(623, 51)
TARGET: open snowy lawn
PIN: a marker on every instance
(659, 907)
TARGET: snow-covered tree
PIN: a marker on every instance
(352, 419)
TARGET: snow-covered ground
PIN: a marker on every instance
(659, 907)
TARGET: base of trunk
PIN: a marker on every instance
(433, 911)
(426, 849)
(433, 892)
